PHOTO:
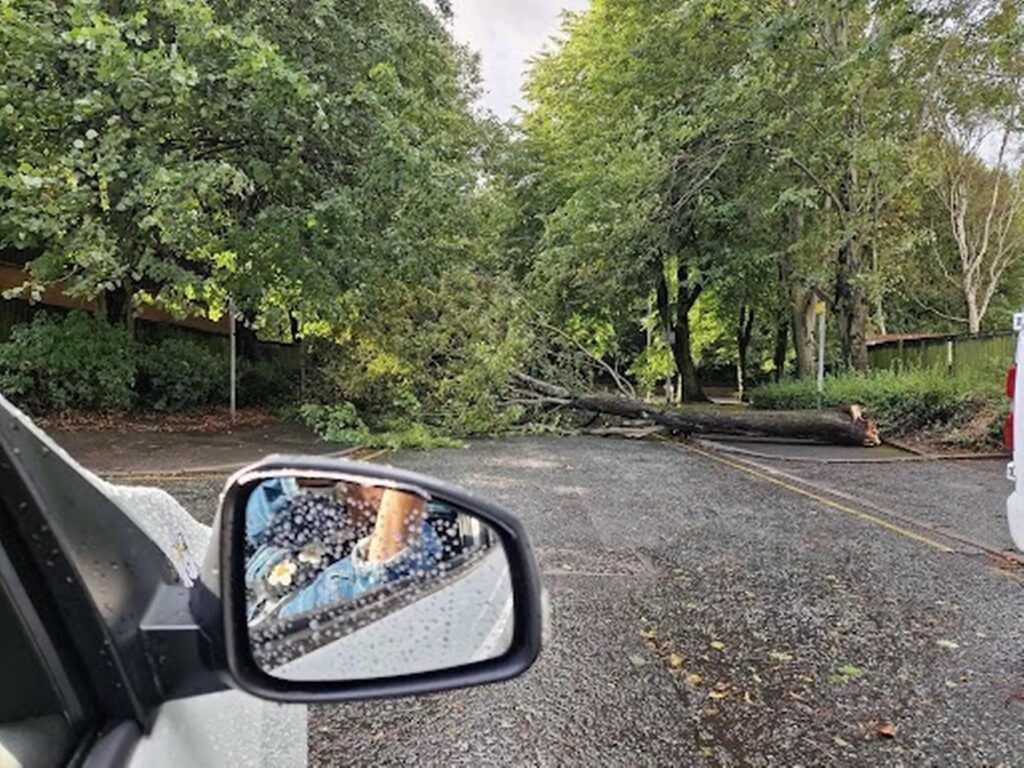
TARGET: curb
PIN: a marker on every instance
(214, 470)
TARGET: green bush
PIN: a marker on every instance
(328, 420)
(342, 424)
(74, 362)
(178, 374)
(899, 402)
(266, 382)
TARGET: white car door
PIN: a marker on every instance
(225, 728)
(1015, 504)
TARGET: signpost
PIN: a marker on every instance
(234, 374)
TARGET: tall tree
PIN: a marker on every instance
(121, 129)
(629, 150)
(975, 147)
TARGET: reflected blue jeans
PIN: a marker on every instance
(354, 575)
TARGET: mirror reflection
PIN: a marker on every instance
(348, 578)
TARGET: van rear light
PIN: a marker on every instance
(1011, 381)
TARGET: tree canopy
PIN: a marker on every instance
(689, 181)
(772, 154)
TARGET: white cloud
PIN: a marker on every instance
(506, 34)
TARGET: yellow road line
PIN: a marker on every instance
(818, 498)
(1009, 574)
(373, 455)
(165, 477)
(227, 470)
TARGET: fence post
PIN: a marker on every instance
(899, 356)
(949, 356)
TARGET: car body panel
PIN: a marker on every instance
(1015, 504)
(445, 626)
(229, 727)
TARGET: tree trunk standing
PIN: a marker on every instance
(682, 349)
(876, 271)
(851, 307)
(668, 334)
(851, 301)
(116, 307)
(781, 348)
(984, 224)
(744, 332)
(677, 335)
(973, 313)
(247, 342)
(802, 305)
(682, 352)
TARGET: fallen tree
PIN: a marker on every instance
(840, 426)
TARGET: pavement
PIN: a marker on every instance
(114, 452)
(709, 609)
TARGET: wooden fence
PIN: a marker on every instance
(957, 354)
(15, 312)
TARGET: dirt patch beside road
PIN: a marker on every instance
(133, 448)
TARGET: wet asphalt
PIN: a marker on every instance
(704, 615)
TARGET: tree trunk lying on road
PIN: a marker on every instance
(840, 426)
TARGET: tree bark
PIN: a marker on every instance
(973, 313)
(682, 349)
(851, 307)
(802, 306)
(781, 347)
(117, 307)
(677, 334)
(248, 344)
(843, 426)
(744, 332)
(783, 315)
(851, 300)
(668, 333)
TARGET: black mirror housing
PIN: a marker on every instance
(230, 538)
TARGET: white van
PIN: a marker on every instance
(1015, 438)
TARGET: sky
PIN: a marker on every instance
(506, 33)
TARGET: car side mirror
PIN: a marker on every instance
(342, 580)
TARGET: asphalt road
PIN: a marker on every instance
(709, 613)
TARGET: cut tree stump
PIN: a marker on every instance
(839, 426)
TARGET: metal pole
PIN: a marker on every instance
(234, 375)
